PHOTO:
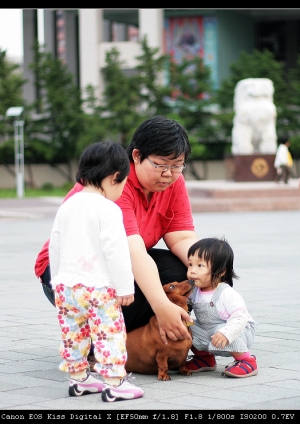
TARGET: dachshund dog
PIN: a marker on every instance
(147, 354)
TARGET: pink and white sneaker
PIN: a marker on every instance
(92, 384)
(124, 391)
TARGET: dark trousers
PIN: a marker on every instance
(170, 269)
(283, 173)
(49, 292)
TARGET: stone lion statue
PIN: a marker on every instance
(254, 123)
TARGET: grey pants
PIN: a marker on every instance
(208, 322)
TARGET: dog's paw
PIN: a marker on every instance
(188, 373)
(163, 377)
(184, 371)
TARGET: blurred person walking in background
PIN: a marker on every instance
(283, 161)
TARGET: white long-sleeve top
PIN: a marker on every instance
(231, 309)
(88, 245)
(281, 157)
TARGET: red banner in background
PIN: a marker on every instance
(188, 37)
(184, 37)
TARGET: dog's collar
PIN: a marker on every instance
(188, 323)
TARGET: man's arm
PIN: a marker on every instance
(179, 243)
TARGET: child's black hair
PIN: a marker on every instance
(220, 256)
(99, 160)
(283, 140)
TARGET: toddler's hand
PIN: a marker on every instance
(219, 340)
(125, 300)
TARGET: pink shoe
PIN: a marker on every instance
(124, 391)
(90, 385)
(201, 361)
(244, 368)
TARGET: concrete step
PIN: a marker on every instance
(230, 196)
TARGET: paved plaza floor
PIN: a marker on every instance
(267, 259)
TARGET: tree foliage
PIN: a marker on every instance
(258, 64)
(64, 120)
(94, 126)
(11, 84)
(294, 109)
(121, 99)
(192, 99)
(57, 119)
(11, 95)
(151, 70)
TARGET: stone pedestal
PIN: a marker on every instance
(254, 167)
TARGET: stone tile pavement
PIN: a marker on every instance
(267, 259)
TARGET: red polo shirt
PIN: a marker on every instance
(168, 211)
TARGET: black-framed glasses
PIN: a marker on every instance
(164, 168)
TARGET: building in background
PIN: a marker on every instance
(81, 37)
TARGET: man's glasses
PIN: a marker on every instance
(164, 168)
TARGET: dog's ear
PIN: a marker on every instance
(178, 300)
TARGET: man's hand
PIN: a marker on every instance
(170, 321)
(219, 340)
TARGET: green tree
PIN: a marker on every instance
(151, 77)
(129, 99)
(121, 100)
(191, 89)
(192, 99)
(94, 125)
(294, 99)
(294, 110)
(57, 120)
(11, 84)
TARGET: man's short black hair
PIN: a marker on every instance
(160, 136)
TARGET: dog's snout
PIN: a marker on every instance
(192, 282)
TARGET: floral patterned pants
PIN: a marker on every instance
(86, 313)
